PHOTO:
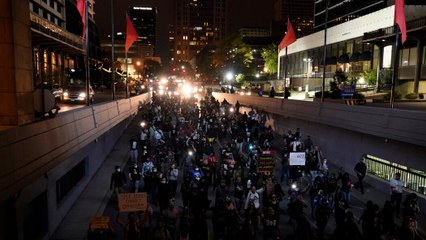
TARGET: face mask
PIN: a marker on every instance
(118, 170)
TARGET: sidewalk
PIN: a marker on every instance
(94, 198)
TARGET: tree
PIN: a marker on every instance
(270, 56)
(233, 53)
(152, 67)
(204, 63)
(370, 76)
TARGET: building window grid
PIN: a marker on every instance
(408, 57)
(415, 180)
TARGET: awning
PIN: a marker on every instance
(365, 56)
(330, 61)
(344, 58)
(355, 57)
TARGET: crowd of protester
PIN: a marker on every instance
(205, 156)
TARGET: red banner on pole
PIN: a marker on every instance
(289, 38)
(131, 34)
(400, 19)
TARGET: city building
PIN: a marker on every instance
(197, 24)
(58, 48)
(254, 32)
(144, 21)
(362, 44)
(300, 13)
(343, 11)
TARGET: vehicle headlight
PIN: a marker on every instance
(82, 95)
(65, 94)
(186, 89)
(161, 91)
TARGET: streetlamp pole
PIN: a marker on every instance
(87, 53)
(325, 51)
(308, 62)
(112, 51)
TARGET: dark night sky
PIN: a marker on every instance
(241, 13)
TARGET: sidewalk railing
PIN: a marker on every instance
(414, 179)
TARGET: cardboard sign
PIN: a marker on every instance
(297, 159)
(132, 202)
(101, 222)
(265, 164)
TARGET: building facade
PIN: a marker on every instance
(361, 44)
(58, 48)
(300, 13)
(197, 25)
(144, 20)
(342, 11)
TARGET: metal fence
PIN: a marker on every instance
(414, 180)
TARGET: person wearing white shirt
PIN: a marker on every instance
(253, 196)
(396, 185)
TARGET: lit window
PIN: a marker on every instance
(387, 56)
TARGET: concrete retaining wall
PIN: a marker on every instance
(28, 152)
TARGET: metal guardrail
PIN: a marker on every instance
(415, 180)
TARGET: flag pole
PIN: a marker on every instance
(112, 51)
(395, 67)
(278, 64)
(325, 52)
(87, 54)
(127, 77)
(285, 72)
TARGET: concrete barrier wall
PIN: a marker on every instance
(28, 152)
(394, 124)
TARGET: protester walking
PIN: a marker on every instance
(118, 181)
(396, 185)
(360, 170)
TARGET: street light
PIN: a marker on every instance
(325, 50)
(229, 76)
(308, 61)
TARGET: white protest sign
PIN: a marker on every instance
(297, 158)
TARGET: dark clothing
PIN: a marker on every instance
(286, 93)
(361, 170)
(272, 93)
(118, 179)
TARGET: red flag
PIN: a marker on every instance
(81, 7)
(289, 38)
(400, 19)
(131, 34)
